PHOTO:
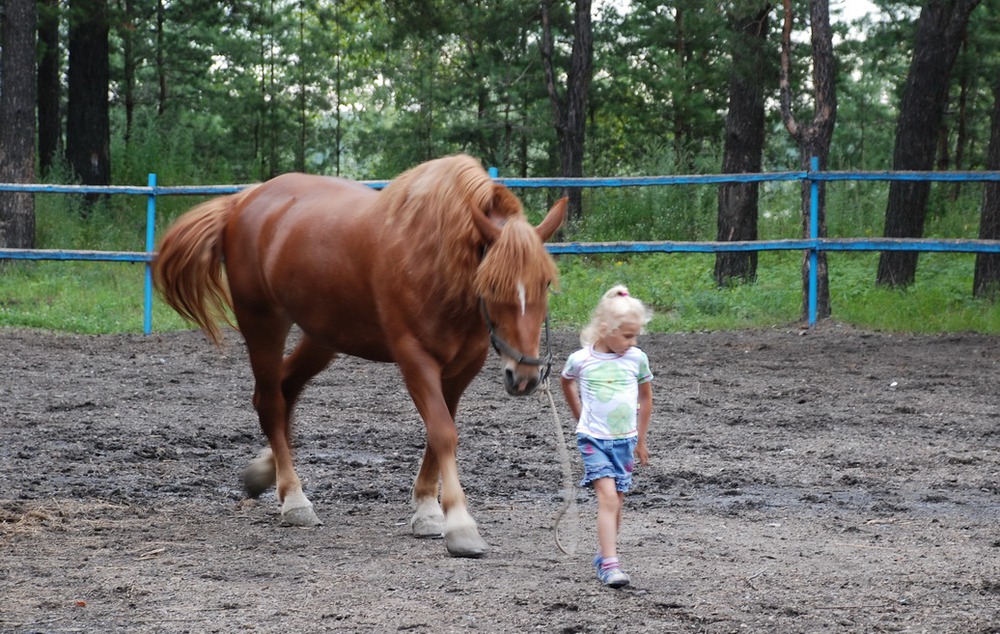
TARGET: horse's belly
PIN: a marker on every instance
(339, 327)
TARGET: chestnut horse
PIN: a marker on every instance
(422, 274)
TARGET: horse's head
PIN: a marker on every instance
(513, 284)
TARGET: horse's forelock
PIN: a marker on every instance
(516, 263)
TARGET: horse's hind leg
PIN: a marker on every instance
(428, 518)
(278, 385)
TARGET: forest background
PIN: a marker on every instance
(207, 92)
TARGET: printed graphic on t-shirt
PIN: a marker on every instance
(609, 390)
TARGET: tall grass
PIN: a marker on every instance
(100, 297)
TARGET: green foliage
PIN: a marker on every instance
(239, 91)
(939, 301)
(681, 290)
(99, 297)
(80, 297)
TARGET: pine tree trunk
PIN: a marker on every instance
(126, 31)
(986, 282)
(88, 132)
(813, 139)
(17, 122)
(570, 112)
(744, 144)
(940, 30)
(49, 85)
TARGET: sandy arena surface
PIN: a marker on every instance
(831, 480)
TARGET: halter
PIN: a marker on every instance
(504, 348)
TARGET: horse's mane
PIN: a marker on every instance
(429, 209)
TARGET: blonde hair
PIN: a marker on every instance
(615, 307)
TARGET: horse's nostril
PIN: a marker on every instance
(518, 385)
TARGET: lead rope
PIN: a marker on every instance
(569, 492)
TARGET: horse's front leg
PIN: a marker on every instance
(461, 535)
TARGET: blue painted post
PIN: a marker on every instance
(147, 321)
(813, 238)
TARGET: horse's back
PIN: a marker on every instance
(302, 246)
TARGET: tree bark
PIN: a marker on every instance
(986, 280)
(17, 121)
(49, 85)
(940, 30)
(88, 130)
(126, 30)
(570, 110)
(814, 139)
(161, 65)
(743, 147)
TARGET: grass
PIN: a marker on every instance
(79, 297)
(102, 297)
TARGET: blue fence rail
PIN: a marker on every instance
(812, 245)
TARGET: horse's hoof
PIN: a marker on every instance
(259, 475)
(465, 542)
(302, 516)
(427, 526)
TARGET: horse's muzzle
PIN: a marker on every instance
(518, 385)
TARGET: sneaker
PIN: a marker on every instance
(598, 563)
(613, 577)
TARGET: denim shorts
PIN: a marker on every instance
(607, 459)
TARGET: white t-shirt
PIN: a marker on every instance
(609, 390)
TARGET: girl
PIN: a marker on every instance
(607, 386)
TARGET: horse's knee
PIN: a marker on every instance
(442, 441)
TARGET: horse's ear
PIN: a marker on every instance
(503, 205)
(487, 229)
(553, 220)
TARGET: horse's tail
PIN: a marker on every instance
(187, 270)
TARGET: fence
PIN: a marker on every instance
(812, 245)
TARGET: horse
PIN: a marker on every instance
(425, 273)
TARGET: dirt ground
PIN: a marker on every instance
(830, 480)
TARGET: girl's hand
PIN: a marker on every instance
(641, 453)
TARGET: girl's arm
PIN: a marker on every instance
(572, 394)
(644, 414)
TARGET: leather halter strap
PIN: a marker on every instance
(505, 349)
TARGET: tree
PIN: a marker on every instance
(88, 128)
(17, 121)
(744, 143)
(659, 86)
(986, 281)
(49, 85)
(569, 109)
(940, 30)
(813, 139)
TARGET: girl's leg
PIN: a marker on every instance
(609, 513)
(621, 505)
